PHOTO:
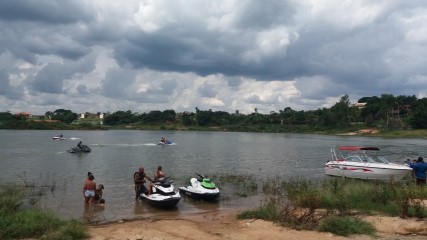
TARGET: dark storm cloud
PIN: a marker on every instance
(123, 85)
(175, 52)
(116, 84)
(82, 90)
(166, 87)
(28, 41)
(207, 90)
(265, 14)
(50, 79)
(233, 82)
(57, 45)
(6, 89)
(48, 11)
(353, 55)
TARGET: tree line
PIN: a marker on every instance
(386, 111)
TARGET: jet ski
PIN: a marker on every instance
(162, 195)
(201, 188)
(167, 142)
(58, 138)
(83, 149)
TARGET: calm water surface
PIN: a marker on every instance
(33, 156)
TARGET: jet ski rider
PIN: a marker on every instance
(139, 179)
(79, 145)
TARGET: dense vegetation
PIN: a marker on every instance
(337, 205)
(386, 112)
(19, 220)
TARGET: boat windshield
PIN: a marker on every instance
(358, 154)
(367, 159)
(382, 159)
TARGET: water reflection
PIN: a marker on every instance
(94, 213)
(139, 207)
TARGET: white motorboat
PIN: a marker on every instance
(354, 162)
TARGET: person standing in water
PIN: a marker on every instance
(89, 188)
(139, 180)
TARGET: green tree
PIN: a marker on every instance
(418, 118)
(220, 118)
(48, 115)
(188, 118)
(387, 103)
(339, 117)
(154, 117)
(168, 116)
(370, 112)
(66, 116)
(204, 118)
(121, 117)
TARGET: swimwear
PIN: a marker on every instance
(90, 193)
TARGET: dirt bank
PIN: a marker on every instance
(224, 225)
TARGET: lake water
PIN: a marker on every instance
(32, 156)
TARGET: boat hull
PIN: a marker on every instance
(211, 195)
(384, 173)
(58, 138)
(161, 201)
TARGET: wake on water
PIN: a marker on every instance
(124, 145)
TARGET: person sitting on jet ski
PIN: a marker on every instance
(159, 174)
(139, 180)
(79, 145)
(163, 140)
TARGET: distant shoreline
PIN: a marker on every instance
(367, 132)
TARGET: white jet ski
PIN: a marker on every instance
(162, 195)
(201, 188)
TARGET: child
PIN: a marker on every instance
(98, 192)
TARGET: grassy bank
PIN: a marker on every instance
(420, 133)
(336, 205)
(19, 219)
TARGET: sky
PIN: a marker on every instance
(224, 55)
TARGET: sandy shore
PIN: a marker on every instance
(225, 225)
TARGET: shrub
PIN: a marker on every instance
(345, 225)
(17, 221)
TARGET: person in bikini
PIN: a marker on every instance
(89, 188)
(159, 174)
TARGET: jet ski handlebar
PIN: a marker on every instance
(201, 176)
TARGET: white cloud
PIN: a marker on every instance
(107, 55)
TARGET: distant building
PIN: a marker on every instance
(23, 115)
(359, 105)
(93, 118)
